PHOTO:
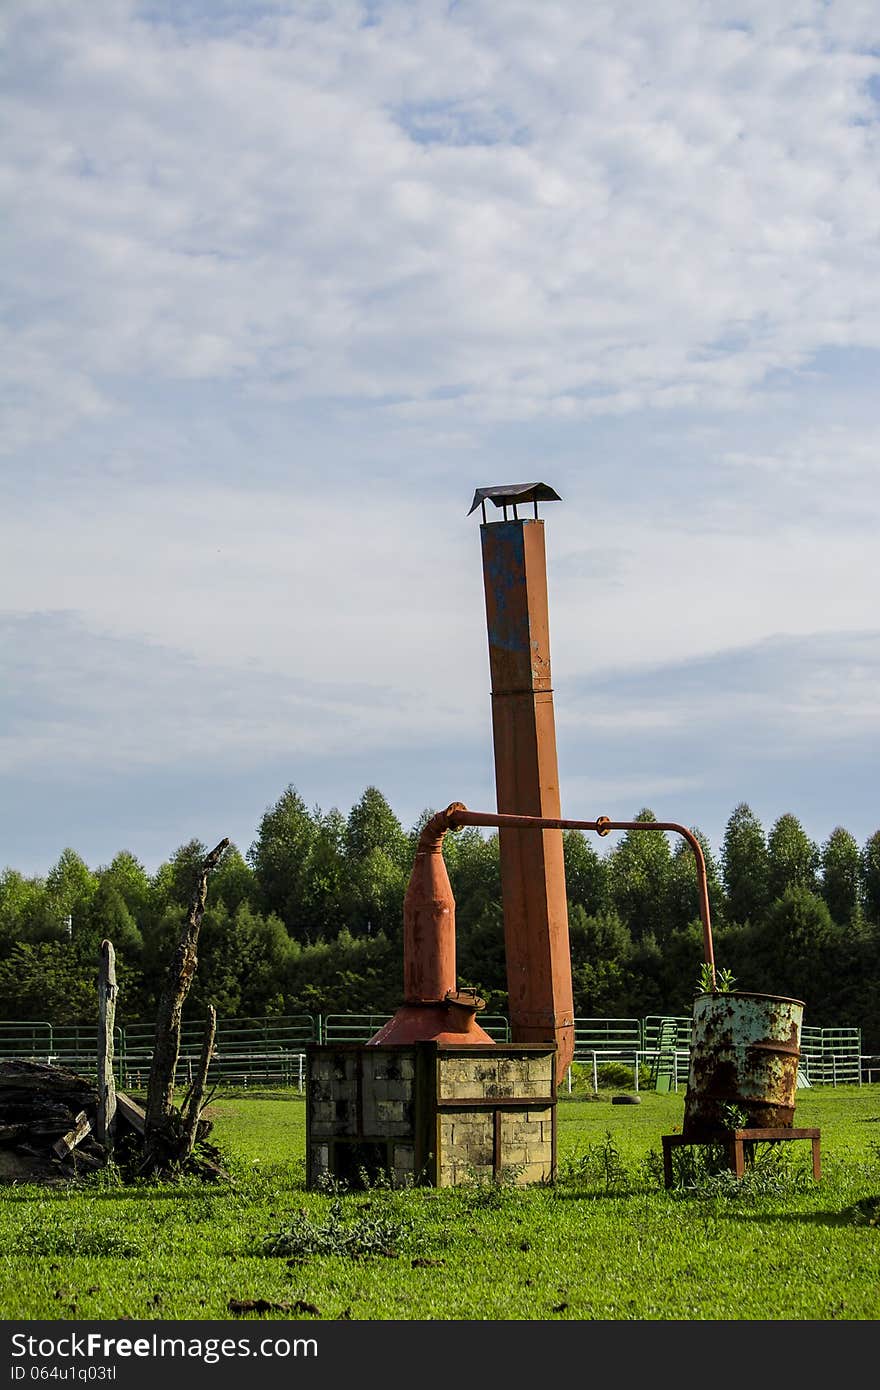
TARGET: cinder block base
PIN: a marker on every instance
(431, 1113)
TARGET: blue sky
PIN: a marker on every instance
(283, 283)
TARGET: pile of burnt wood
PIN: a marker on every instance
(48, 1119)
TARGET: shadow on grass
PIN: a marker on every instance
(568, 1196)
(252, 1185)
(850, 1216)
(114, 1194)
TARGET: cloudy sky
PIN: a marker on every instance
(284, 282)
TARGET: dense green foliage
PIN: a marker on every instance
(606, 1242)
(308, 920)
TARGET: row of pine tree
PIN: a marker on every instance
(308, 920)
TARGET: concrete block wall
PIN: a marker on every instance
(467, 1146)
(432, 1114)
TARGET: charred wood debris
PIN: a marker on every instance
(57, 1126)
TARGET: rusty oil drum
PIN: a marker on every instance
(744, 1063)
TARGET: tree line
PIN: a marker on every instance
(309, 920)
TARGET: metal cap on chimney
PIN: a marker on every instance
(509, 494)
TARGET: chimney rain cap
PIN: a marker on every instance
(509, 494)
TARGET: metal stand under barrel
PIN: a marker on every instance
(735, 1141)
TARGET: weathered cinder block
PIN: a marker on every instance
(398, 1065)
(390, 1112)
(512, 1071)
(466, 1078)
(334, 1066)
(319, 1159)
(404, 1159)
(323, 1117)
(516, 1155)
(466, 1139)
(389, 1108)
(524, 1128)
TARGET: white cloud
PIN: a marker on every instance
(284, 283)
(542, 208)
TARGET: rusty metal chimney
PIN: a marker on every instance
(540, 1000)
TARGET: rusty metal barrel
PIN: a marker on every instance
(744, 1063)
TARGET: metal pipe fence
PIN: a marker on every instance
(271, 1050)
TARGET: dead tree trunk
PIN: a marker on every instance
(166, 1048)
(106, 1116)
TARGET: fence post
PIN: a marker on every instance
(636, 1072)
(106, 1020)
(595, 1074)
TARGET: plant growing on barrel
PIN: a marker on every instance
(714, 981)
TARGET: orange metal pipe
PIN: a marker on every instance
(457, 815)
(433, 1009)
(429, 918)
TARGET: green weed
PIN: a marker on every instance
(600, 1164)
(373, 1230)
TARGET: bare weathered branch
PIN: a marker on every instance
(166, 1048)
(193, 1104)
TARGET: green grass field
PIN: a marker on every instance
(607, 1242)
